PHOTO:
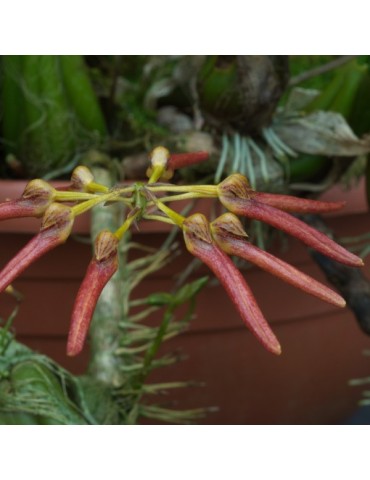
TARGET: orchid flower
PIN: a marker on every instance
(55, 229)
(199, 242)
(236, 195)
(229, 235)
(226, 234)
(100, 270)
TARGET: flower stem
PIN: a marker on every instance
(181, 196)
(205, 190)
(93, 202)
(126, 225)
(61, 196)
(97, 188)
(174, 216)
(104, 330)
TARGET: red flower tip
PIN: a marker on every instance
(100, 270)
(199, 242)
(181, 160)
(230, 236)
(37, 196)
(55, 228)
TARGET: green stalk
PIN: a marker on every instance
(104, 330)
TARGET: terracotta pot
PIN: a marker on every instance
(322, 345)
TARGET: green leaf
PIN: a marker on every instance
(188, 291)
(159, 299)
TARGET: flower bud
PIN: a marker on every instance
(233, 189)
(227, 225)
(81, 178)
(106, 247)
(101, 268)
(197, 234)
(37, 196)
(159, 159)
(57, 222)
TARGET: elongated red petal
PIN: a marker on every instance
(97, 276)
(251, 208)
(55, 229)
(34, 249)
(235, 245)
(16, 209)
(289, 203)
(199, 242)
(236, 186)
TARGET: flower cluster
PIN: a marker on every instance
(212, 242)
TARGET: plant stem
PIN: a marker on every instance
(104, 331)
(314, 72)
